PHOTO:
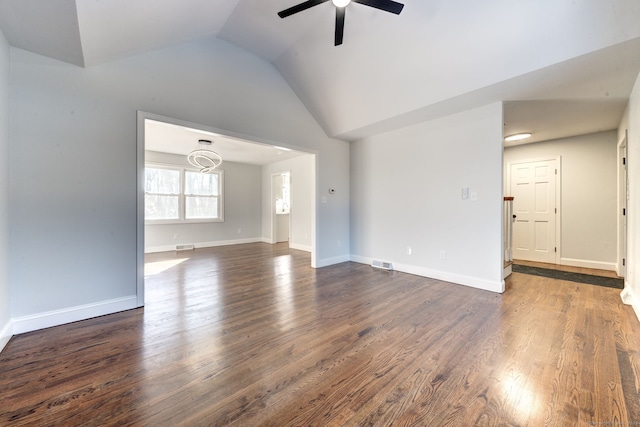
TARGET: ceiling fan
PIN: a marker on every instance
(386, 5)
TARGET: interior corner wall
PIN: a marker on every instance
(632, 282)
(242, 210)
(588, 191)
(302, 201)
(73, 189)
(407, 206)
(5, 296)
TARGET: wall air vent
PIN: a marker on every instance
(382, 265)
(184, 248)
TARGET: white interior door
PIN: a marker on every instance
(533, 186)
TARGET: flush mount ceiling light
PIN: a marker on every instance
(518, 136)
(205, 160)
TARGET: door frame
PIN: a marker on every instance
(558, 196)
(274, 217)
(141, 116)
(623, 188)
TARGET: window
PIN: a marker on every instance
(182, 195)
(201, 191)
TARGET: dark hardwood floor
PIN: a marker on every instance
(250, 335)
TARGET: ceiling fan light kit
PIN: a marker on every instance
(341, 5)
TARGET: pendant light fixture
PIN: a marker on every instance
(203, 159)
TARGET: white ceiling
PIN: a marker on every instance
(169, 138)
(563, 67)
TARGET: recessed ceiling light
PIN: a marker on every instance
(518, 136)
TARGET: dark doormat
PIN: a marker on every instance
(609, 282)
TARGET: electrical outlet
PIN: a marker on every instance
(443, 254)
(339, 243)
(239, 230)
(465, 193)
(408, 250)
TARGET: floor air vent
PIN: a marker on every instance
(184, 247)
(382, 265)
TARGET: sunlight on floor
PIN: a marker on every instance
(152, 268)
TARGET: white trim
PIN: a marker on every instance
(445, 276)
(621, 200)
(5, 335)
(169, 248)
(332, 261)
(599, 265)
(506, 271)
(633, 300)
(298, 247)
(140, 159)
(48, 319)
(142, 115)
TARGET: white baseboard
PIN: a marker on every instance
(506, 272)
(48, 319)
(5, 335)
(629, 297)
(599, 265)
(459, 279)
(299, 247)
(169, 248)
(332, 261)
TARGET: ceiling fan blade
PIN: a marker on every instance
(386, 5)
(340, 11)
(300, 7)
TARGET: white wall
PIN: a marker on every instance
(242, 210)
(588, 195)
(406, 192)
(5, 298)
(302, 200)
(73, 198)
(632, 123)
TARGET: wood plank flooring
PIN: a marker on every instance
(250, 335)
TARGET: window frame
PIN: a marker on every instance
(182, 196)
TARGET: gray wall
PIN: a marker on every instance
(5, 297)
(406, 193)
(588, 195)
(242, 210)
(73, 198)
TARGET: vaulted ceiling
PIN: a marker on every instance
(563, 67)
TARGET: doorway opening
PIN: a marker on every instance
(248, 164)
(281, 207)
